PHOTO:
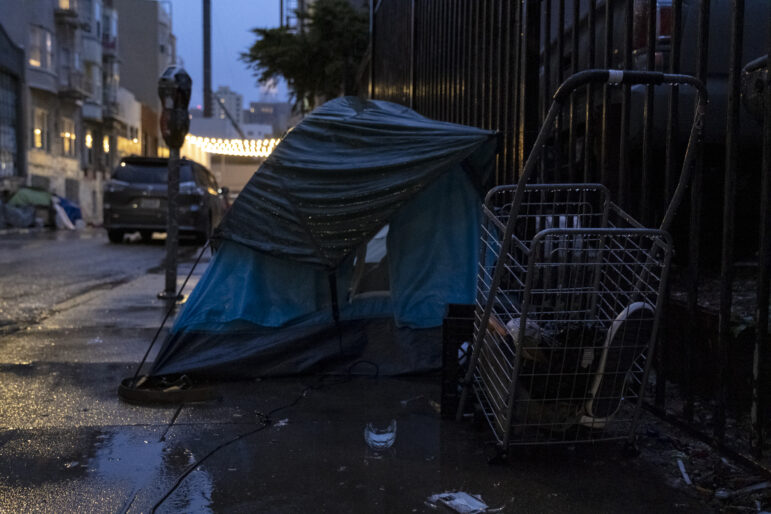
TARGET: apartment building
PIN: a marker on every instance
(66, 115)
(151, 51)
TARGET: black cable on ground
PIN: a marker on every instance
(171, 308)
(266, 420)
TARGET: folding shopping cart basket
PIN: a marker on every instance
(568, 300)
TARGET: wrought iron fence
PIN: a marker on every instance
(495, 64)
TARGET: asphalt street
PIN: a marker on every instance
(77, 314)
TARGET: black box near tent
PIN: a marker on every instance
(347, 244)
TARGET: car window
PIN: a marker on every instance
(207, 179)
(149, 174)
(212, 180)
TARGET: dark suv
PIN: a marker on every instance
(135, 199)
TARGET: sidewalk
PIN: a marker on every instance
(69, 444)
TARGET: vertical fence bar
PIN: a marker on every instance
(469, 44)
(488, 59)
(573, 115)
(498, 44)
(458, 68)
(441, 59)
(546, 85)
(555, 174)
(590, 89)
(477, 56)
(757, 413)
(428, 47)
(513, 95)
(672, 156)
(506, 105)
(412, 54)
(434, 57)
(729, 188)
(528, 80)
(694, 234)
(499, 104)
(448, 63)
(371, 89)
(670, 167)
(647, 155)
(626, 104)
(607, 63)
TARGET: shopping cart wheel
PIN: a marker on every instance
(478, 420)
(500, 458)
(630, 450)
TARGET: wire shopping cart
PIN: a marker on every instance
(569, 296)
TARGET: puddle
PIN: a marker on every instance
(152, 467)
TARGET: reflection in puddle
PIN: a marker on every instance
(380, 439)
(152, 468)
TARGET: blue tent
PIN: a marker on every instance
(348, 243)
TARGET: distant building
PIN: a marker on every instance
(277, 115)
(290, 7)
(13, 124)
(233, 101)
(152, 50)
(224, 129)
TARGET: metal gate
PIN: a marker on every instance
(495, 64)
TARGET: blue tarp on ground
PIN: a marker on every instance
(264, 305)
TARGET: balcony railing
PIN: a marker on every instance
(72, 83)
(109, 44)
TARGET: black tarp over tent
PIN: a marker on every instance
(280, 294)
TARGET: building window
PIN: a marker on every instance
(41, 48)
(89, 141)
(68, 137)
(40, 130)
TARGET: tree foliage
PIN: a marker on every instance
(319, 62)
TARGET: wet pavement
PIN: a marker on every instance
(79, 314)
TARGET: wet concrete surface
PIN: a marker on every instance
(67, 443)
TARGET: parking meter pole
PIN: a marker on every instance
(174, 91)
(172, 227)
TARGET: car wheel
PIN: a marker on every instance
(115, 236)
(202, 237)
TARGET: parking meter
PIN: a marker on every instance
(174, 88)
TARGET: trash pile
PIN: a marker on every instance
(35, 208)
(695, 466)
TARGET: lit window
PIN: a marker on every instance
(89, 141)
(41, 48)
(106, 144)
(40, 129)
(68, 137)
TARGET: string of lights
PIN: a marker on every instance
(240, 147)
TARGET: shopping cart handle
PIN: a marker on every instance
(624, 77)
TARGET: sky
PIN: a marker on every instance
(231, 23)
